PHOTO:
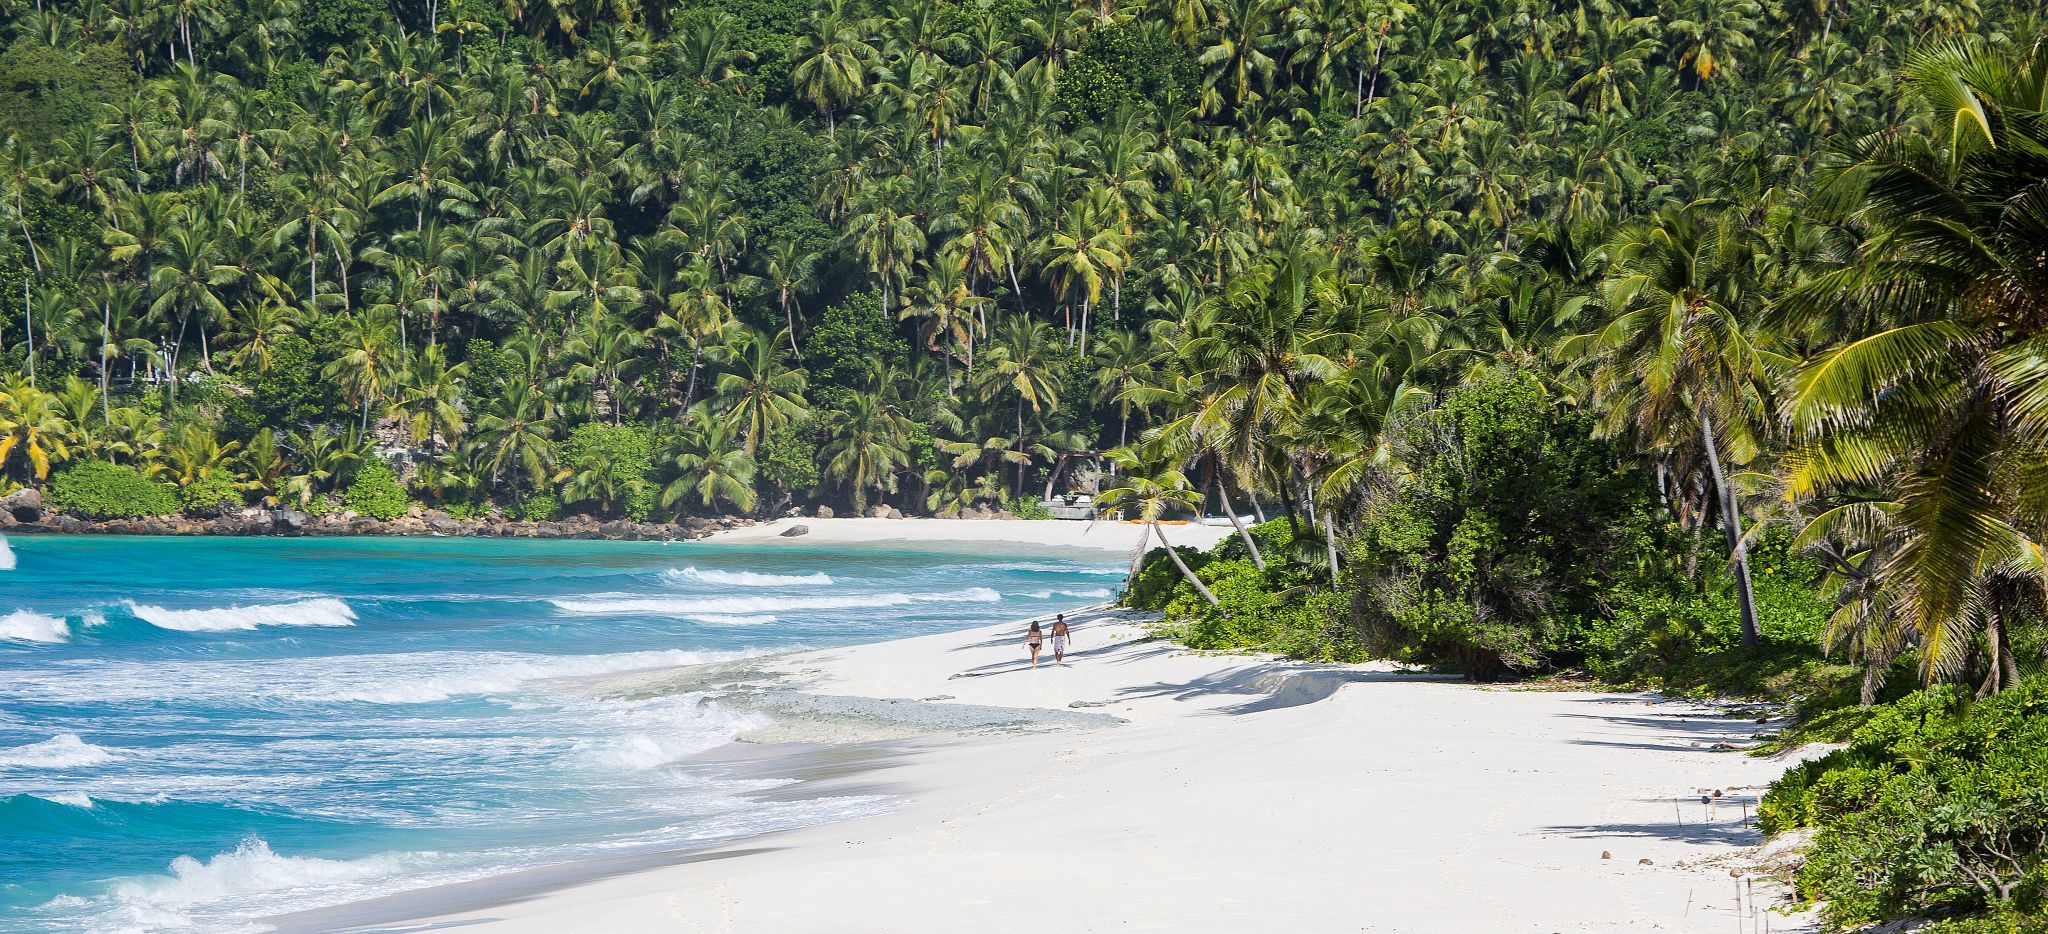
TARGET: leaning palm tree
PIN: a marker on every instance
(1151, 484)
(1945, 407)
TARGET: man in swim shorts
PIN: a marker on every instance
(1059, 639)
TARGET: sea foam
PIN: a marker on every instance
(748, 578)
(734, 619)
(698, 606)
(471, 674)
(1094, 594)
(62, 751)
(6, 555)
(321, 611)
(26, 626)
(77, 799)
(250, 869)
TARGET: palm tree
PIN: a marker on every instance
(711, 468)
(866, 449)
(789, 267)
(762, 392)
(365, 368)
(186, 282)
(1678, 366)
(1942, 410)
(832, 59)
(1023, 360)
(517, 433)
(430, 396)
(32, 429)
(1152, 484)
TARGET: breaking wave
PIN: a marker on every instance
(62, 751)
(748, 578)
(320, 611)
(27, 626)
(699, 606)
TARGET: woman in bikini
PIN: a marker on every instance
(1033, 639)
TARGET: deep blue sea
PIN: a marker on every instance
(196, 732)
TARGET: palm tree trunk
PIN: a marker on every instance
(1200, 587)
(1330, 543)
(28, 331)
(1137, 561)
(1223, 493)
(1731, 524)
(106, 337)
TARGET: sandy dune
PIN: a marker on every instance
(1242, 794)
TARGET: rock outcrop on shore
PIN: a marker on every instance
(422, 522)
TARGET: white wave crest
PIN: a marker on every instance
(77, 799)
(734, 619)
(1042, 568)
(698, 606)
(748, 578)
(6, 555)
(320, 611)
(1095, 594)
(249, 870)
(26, 626)
(62, 751)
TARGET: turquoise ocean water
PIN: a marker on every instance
(198, 732)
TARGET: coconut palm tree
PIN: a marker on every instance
(761, 392)
(33, 431)
(1151, 484)
(1679, 368)
(1943, 406)
(711, 467)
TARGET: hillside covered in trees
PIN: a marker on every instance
(1614, 334)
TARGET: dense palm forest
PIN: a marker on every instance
(1611, 333)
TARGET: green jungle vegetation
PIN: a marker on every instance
(1693, 344)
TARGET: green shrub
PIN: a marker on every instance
(539, 507)
(1158, 578)
(611, 469)
(376, 492)
(1275, 538)
(1026, 507)
(1273, 610)
(1493, 549)
(210, 496)
(100, 490)
(1939, 805)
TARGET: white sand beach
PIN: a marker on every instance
(1239, 794)
(1055, 533)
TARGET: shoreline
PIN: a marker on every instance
(286, 523)
(1220, 801)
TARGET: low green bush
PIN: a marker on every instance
(210, 496)
(100, 490)
(376, 492)
(1273, 610)
(1158, 578)
(1027, 507)
(1275, 538)
(540, 507)
(1938, 806)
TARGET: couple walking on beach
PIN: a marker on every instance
(1036, 638)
